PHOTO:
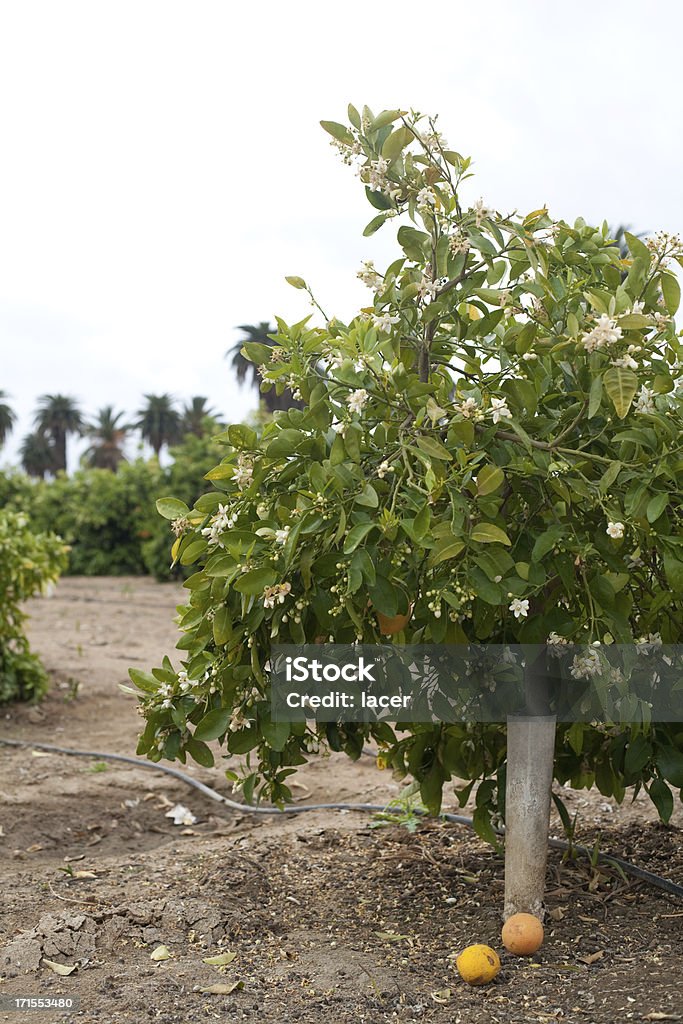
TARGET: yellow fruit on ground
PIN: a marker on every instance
(478, 965)
(522, 934)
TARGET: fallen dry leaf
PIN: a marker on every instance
(223, 990)
(656, 1015)
(63, 969)
(591, 958)
(34, 848)
(442, 996)
(557, 913)
(160, 953)
(220, 959)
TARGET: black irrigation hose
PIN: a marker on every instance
(458, 819)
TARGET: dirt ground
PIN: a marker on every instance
(319, 915)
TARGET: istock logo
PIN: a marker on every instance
(301, 670)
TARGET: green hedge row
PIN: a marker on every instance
(109, 520)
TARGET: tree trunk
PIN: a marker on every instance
(530, 757)
(60, 450)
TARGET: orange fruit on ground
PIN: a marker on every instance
(389, 625)
(522, 934)
(478, 965)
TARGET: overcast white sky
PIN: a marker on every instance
(163, 168)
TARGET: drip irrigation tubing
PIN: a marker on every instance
(457, 819)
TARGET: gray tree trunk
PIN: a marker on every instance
(530, 757)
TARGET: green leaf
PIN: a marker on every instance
(243, 740)
(354, 116)
(225, 470)
(575, 737)
(609, 476)
(296, 282)
(484, 587)
(671, 290)
(595, 397)
(256, 352)
(256, 580)
(352, 440)
(397, 141)
(356, 535)
(638, 753)
(489, 479)
(363, 563)
(143, 680)
(430, 446)
(414, 243)
(546, 542)
(602, 591)
(673, 570)
(446, 547)
(200, 752)
(421, 522)
(633, 321)
(670, 764)
(338, 131)
(489, 533)
(481, 821)
(378, 200)
(222, 625)
(240, 435)
(384, 596)
(385, 118)
(192, 551)
(213, 725)
(374, 225)
(621, 386)
(656, 506)
(284, 443)
(662, 798)
(637, 248)
(172, 508)
(463, 431)
(275, 734)
(368, 497)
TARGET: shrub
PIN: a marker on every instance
(186, 478)
(109, 520)
(491, 446)
(29, 563)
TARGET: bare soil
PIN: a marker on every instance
(326, 916)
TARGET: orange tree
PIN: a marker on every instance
(489, 451)
(30, 563)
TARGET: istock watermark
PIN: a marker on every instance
(302, 669)
(613, 683)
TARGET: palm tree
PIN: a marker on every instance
(195, 413)
(57, 417)
(159, 422)
(108, 435)
(244, 369)
(37, 454)
(7, 418)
